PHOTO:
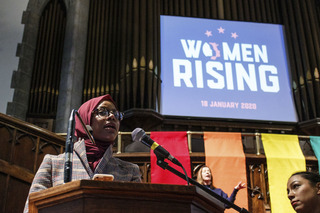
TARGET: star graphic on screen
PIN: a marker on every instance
(208, 33)
(234, 35)
(221, 30)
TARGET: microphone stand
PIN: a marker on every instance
(69, 144)
(69, 148)
(164, 165)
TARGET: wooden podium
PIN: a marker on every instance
(98, 196)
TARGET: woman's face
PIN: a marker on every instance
(206, 174)
(105, 128)
(302, 195)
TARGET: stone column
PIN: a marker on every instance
(21, 78)
(73, 62)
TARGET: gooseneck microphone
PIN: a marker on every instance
(139, 135)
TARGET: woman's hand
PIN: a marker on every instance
(240, 186)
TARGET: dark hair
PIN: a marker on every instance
(312, 177)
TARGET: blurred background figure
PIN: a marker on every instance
(204, 177)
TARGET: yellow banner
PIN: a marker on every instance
(284, 157)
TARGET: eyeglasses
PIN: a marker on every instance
(105, 113)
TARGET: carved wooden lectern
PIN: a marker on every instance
(99, 196)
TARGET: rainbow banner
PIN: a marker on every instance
(284, 157)
(226, 159)
(177, 144)
(315, 144)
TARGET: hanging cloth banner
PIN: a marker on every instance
(177, 144)
(226, 159)
(315, 144)
(284, 157)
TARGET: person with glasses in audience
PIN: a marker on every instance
(90, 156)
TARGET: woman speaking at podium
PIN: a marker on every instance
(90, 156)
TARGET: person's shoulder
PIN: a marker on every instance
(52, 157)
(50, 160)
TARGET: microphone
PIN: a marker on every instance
(139, 135)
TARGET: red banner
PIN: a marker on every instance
(177, 144)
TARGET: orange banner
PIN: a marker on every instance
(226, 159)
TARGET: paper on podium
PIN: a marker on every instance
(103, 177)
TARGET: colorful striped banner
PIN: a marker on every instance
(226, 159)
(284, 157)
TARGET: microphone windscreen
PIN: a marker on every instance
(137, 134)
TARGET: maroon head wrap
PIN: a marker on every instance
(94, 151)
(85, 111)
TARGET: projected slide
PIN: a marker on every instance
(224, 69)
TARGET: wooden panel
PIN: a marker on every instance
(257, 190)
(6, 142)
(24, 145)
(3, 191)
(17, 194)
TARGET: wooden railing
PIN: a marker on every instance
(23, 146)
